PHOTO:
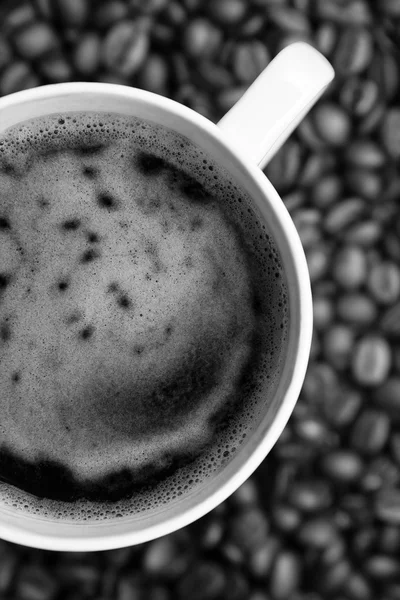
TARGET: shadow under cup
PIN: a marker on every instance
(114, 532)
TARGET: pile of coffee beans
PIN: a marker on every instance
(320, 519)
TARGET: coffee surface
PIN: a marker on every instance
(132, 313)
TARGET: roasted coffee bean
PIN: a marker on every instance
(284, 167)
(323, 312)
(5, 52)
(356, 309)
(343, 214)
(249, 529)
(337, 345)
(289, 19)
(125, 47)
(227, 12)
(390, 132)
(326, 191)
(344, 466)
(353, 51)
(35, 40)
(311, 495)
(343, 408)
(167, 556)
(384, 282)
(36, 582)
(365, 153)
(206, 580)
(332, 124)
(350, 267)
(16, 77)
(387, 506)
(246, 495)
(382, 567)
(249, 60)
(201, 38)
(86, 55)
(365, 233)
(285, 575)
(371, 360)
(318, 532)
(55, 68)
(261, 558)
(370, 432)
(286, 518)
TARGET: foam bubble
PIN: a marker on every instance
(142, 323)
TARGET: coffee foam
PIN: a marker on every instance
(166, 303)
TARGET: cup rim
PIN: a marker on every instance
(82, 538)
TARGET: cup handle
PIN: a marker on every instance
(267, 113)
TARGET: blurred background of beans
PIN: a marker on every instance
(320, 519)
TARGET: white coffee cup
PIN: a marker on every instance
(242, 142)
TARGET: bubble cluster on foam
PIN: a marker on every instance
(15, 152)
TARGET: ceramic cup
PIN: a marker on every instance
(242, 142)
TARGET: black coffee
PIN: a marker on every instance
(142, 314)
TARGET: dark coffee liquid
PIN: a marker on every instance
(142, 315)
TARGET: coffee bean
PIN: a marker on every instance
(86, 55)
(359, 96)
(289, 19)
(358, 587)
(284, 167)
(18, 18)
(167, 556)
(125, 47)
(384, 70)
(343, 466)
(201, 38)
(390, 322)
(285, 575)
(370, 432)
(387, 506)
(249, 529)
(72, 13)
(55, 68)
(371, 360)
(206, 580)
(246, 495)
(212, 534)
(356, 309)
(228, 98)
(337, 345)
(311, 495)
(384, 282)
(387, 397)
(381, 567)
(382, 472)
(227, 12)
(365, 233)
(35, 40)
(364, 183)
(286, 518)
(108, 13)
(355, 12)
(315, 169)
(317, 257)
(332, 123)
(326, 38)
(353, 52)
(389, 539)
(314, 431)
(317, 532)
(342, 411)
(18, 76)
(390, 8)
(390, 132)
(365, 153)
(261, 558)
(36, 583)
(334, 577)
(5, 52)
(343, 214)
(326, 191)
(9, 565)
(249, 60)
(323, 312)
(350, 267)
